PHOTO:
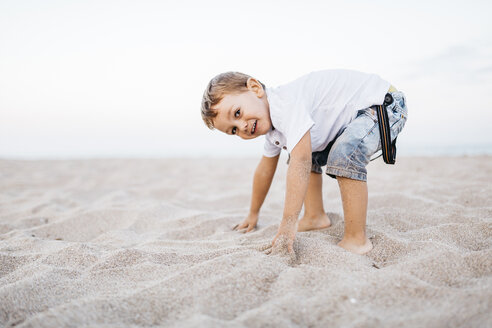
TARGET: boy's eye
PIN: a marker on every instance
(236, 114)
(233, 130)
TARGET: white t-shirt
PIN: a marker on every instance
(323, 101)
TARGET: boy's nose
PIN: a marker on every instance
(245, 127)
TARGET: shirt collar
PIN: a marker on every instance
(271, 98)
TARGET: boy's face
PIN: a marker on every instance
(246, 114)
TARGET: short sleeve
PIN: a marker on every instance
(269, 149)
(296, 123)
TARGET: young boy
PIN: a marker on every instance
(322, 118)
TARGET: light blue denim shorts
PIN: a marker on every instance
(353, 147)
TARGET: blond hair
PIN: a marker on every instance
(217, 88)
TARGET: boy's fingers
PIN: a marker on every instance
(264, 247)
(292, 259)
(290, 249)
(239, 226)
(250, 228)
(268, 251)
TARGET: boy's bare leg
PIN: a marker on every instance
(314, 213)
(354, 199)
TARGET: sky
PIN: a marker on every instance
(99, 79)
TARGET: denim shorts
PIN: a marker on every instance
(351, 150)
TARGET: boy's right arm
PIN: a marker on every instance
(261, 184)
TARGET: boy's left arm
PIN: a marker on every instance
(297, 184)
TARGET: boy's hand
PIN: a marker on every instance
(283, 242)
(248, 224)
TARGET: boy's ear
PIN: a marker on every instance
(255, 86)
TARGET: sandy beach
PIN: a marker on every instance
(138, 243)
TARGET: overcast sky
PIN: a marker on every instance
(125, 78)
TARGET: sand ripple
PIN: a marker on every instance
(133, 243)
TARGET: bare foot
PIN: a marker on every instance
(356, 247)
(314, 223)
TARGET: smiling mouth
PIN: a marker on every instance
(254, 128)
